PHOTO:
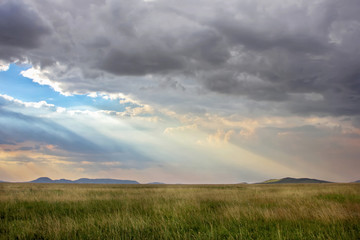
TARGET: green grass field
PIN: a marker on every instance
(298, 211)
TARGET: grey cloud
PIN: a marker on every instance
(269, 37)
(266, 51)
(26, 148)
(244, 84)
(356, 122)
(131, 63)
(171, 83)
(20, 26)
(4, 141)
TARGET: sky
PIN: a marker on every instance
(203, 91)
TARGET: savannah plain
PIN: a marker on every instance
(253, 211)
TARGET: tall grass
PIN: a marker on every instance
(74, 211)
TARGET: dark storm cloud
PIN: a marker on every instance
(266, 38)
(20, 27)
(123, 63)
(230, 82)
(268, 51)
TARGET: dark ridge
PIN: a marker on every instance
(85, 180)
(63, 181)
(105, 181)
(42, 180)
(293, 180)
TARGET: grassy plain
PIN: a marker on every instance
(82, 211)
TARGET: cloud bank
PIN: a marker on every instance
(299, 53)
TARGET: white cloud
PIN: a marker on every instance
(220, 137)
(42, 77)
(40, 104)
(4, 66)
(173, 130)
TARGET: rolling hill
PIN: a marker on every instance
(85, 180)
(293, 180)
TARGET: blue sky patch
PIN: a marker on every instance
(12, 83)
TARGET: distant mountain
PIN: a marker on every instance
(85, 180)
(63, 180)
(43, 180)
(358, 181)
(156, 183)
(105, 181)
(293, 180)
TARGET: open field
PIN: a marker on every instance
(82, 211)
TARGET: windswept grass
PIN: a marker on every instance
(71, 211)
